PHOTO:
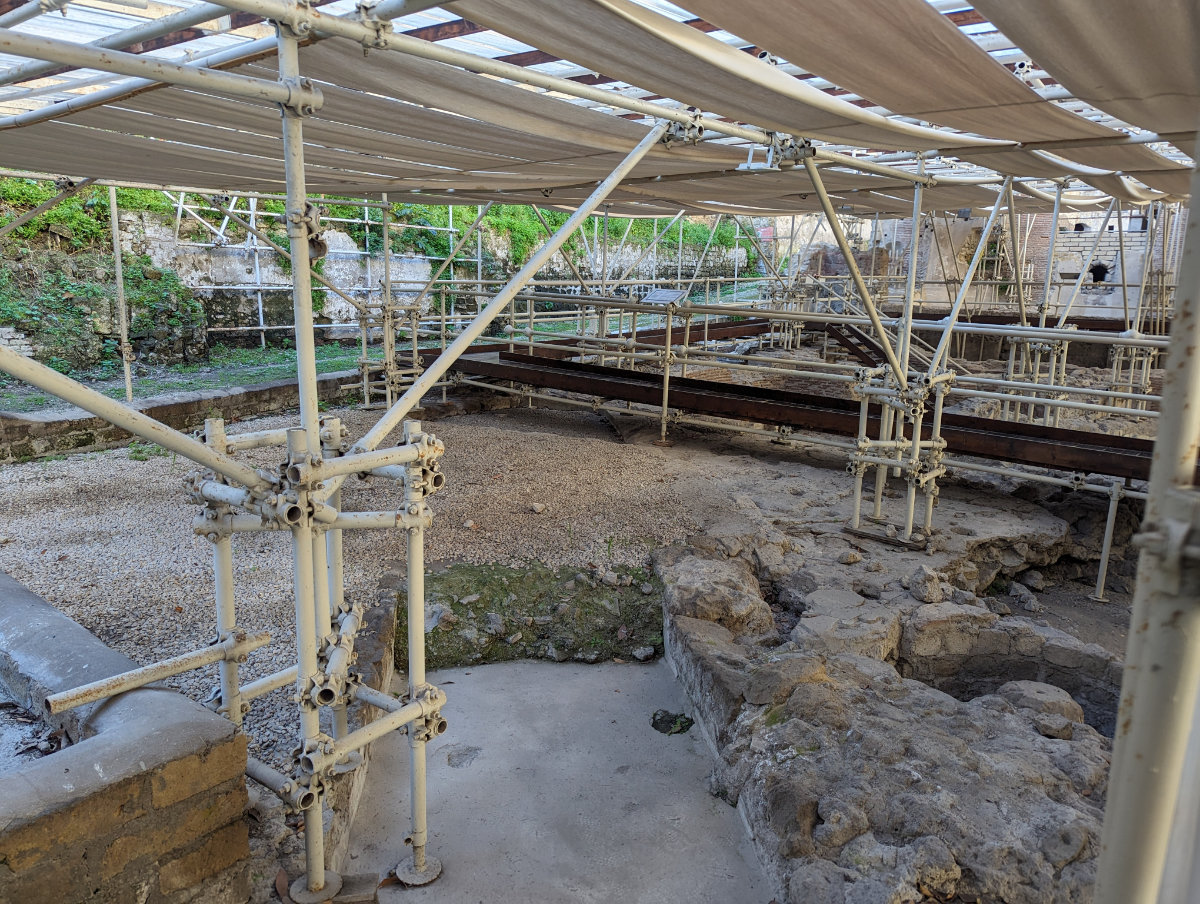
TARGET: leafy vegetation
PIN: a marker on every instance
(81, 221)
(64, 304)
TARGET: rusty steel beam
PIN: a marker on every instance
(1068, 450)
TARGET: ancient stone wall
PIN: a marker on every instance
(36, 434)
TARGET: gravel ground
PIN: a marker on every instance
(108, 539)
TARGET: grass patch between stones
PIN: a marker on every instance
(492, 613)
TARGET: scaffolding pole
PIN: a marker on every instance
(1155, 720)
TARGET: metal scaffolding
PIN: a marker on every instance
(877, 319)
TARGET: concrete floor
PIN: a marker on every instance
(551, 786)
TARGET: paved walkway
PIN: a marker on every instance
(551, 786)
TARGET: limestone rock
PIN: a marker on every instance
(871, 588)
(964, 598)
(1034, 580)
(841, 621)
(998, 605)
(850, 557)
(724, 591)
(1041, 698)
(793, 589)
(1024, 597)
(643, 654)
(926, 585)
(941, 628)
(872, 788)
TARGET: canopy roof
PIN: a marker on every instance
(868, 78)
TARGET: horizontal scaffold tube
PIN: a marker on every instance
(232, 648)
(130, 419)
(299, 797)
(398, 715)
(257, 439)
(142, 66)
(364, 462)
(268, 683)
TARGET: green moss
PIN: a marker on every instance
(546, 607)
(776, 715)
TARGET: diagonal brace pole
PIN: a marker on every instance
(570, 263)
(834, 224)
(438, 368)
(462, 241)
(129, 419)
(943, 346)
(44, 206)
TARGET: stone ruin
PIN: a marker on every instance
(886, 736)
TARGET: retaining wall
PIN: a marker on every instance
(32, 435)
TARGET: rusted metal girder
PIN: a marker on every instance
(1030, 444)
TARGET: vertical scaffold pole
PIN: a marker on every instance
(319, 884)
(1155, 721)
(122, 310)
(421, 869)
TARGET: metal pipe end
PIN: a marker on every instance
(325, 696)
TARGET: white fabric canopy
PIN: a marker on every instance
(428, 131)
(1137, 61)
(911, 59)
(654, 52)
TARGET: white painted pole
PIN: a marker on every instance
(210, 81)
(1162, 662)
(943, 347)
(421, 869)
(1083, 270)
(304, 444)
(237, 644)
(855, 275)
(438, 368)
(122, 311)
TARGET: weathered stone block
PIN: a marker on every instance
(199, 772)
(220, 850)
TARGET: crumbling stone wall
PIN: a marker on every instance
(888, 735)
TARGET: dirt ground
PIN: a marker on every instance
(1070, 608)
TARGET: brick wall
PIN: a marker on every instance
(147, 806)
(13, 338)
